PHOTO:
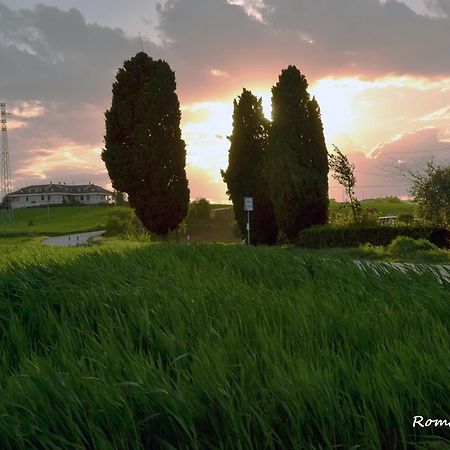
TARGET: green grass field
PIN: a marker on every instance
(170, 346)
(57, 219)
(76, 219)
(385, 207)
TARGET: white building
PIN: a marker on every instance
(59, 194)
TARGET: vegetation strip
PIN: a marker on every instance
(213, 346)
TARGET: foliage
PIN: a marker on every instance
(343, 173)
(119, 198)
(200, 210)
(392, 199)
(121, 222)
(431, 191)
(258, 350)
(144, 152)
(245, 175)
(403, 245)
(406, 218)
(356, 235)
(297, 165)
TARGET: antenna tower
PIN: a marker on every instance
(5, 166)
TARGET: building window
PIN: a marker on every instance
(26, 199)
(88, 197)
(48, 197)
(81, 197)
(42, 198)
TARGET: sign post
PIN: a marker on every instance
(248, 206)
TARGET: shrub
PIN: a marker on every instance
(406, 218)
(199, 210)
(392, 199)
(121, 223)
(327, 236)
(403, 245)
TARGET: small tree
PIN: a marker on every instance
(431, 190)
(119, 198)
(121, 222)
(343, 173)
(199, 210)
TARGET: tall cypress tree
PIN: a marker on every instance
(296, 169)
(319, 152)
(245, 175)
(144, 152)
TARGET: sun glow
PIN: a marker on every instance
(336, 98)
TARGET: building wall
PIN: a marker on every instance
(31, 200)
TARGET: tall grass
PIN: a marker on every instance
(217, 347)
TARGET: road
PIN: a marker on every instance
(72, 240)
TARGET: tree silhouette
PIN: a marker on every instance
(297, 159)
(245, 175)
(144, 152)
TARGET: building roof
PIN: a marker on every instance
(62, 188)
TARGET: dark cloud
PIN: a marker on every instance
(440, 7)
(327, 37)
(53, 55)
(55, 59)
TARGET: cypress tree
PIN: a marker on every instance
(245, 175)
(319, 152)
(297, 165)
(144, 152)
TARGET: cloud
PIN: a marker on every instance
(203, 185)
(56, 77)
(327, 38)
(441, 114)
(219, 73)
(439, 7)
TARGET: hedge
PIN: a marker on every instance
(327, 236)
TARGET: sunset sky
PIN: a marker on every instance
(380, 71)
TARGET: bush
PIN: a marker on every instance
(121, 223)
(406, 218)
(403, 245)
(199, 210)
(392, 199)
(327, 236)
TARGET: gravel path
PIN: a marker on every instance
(72, 240)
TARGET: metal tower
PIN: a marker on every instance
(5, 166)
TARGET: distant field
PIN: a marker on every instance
(89, 218)
(168, 346)
(385, 207)
(57, 219)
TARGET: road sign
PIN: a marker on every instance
(248, 203)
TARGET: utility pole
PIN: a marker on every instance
(5, 168)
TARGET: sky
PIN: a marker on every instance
(380, 71)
